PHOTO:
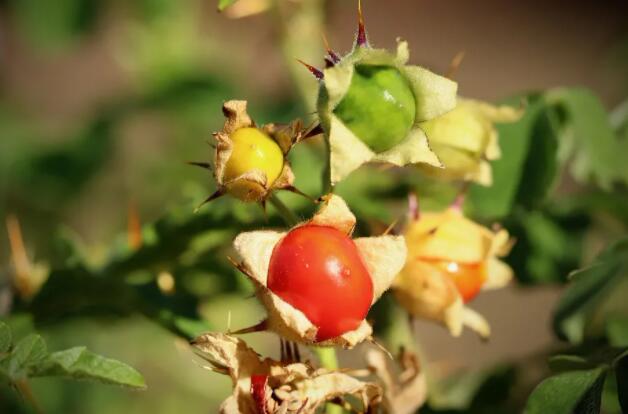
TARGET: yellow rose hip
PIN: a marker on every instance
(253, 150)
(250, 162)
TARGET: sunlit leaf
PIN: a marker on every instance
(28, 351)
(79, 363)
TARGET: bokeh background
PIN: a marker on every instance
(103, 101)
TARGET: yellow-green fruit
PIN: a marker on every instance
(252, 150)
(459, 139)
(379, 107)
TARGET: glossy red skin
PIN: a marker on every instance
(258, 391)
(319, 271)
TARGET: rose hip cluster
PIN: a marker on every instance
(316, 282)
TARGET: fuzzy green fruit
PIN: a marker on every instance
(379, 107)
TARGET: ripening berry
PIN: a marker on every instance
(451, 259)
(316, 282)
(378, 107)
(371, 103)
(252, 150)
(250, 162)
(319, 271)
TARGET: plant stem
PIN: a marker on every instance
(326, 357)
(288, 216)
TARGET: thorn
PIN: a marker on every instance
(313, 131)
(380, 346)
(295, 190)
(333, 56)
(390, 227)
(413, 207)
(455, 64)
(204, 165)
(262, 204)
(259, 327)
(314, 71)
(134, 227)
(361, 40)
(19, 257)
(217, 194)
(460, 198)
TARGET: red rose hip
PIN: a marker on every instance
(319, 271)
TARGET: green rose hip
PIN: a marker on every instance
(371, 104)
(379, 107)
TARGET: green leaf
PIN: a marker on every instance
(595, 151)
(621, 375)
(79, 363)
(5, 338)
(223, 4)
(561, 363)
(526, 167)
(541, 164)
(549, 243)
(590, 287)
(578, 392)
(617, 331)
(29, 351)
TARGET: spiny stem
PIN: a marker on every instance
(288, 216)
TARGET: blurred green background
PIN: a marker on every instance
(102, 102)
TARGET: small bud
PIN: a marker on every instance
(465, 140)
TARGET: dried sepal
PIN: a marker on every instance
(269, 386)
(434, 95)
(450, 259)
(404, 391)
(383, 256)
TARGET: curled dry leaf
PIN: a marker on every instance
(404, 391)
(379, 259)
(450, 260)
(466, 140)
(266, 386)
(250, 162)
